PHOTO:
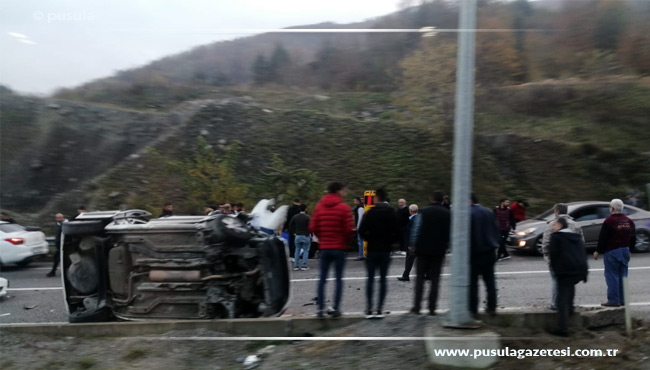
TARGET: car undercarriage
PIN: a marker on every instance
(121, 265)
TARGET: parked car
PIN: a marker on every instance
(21, 245)
(4, 285)
(589, 215)
(122, 265)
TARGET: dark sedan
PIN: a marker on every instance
(590, 216)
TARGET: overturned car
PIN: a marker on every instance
(122, 265)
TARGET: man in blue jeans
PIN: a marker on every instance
(616, 236)
(380, 228)
(333, 226)
(299, 226)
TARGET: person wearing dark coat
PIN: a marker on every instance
(291, 212)
(403, 216)
(484, 241)
(506, 223)
(167, 211)
(6, 218)
(568, 260)
(80, 210)
(410, 257)
(617, 235)
(430, 241)
(60, 219)
(379, 227)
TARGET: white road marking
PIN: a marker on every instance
(447, 274)
(390, 277)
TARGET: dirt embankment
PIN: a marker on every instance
(205, 351)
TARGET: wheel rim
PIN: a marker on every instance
(642, 242)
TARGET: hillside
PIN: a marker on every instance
(107, 157)
(562, 113)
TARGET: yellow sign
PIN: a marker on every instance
(368, 203)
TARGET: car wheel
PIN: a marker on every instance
(228, 228)
(642, 242)
(23, 263)
(538, 246)
(275, 271)
(74, 228)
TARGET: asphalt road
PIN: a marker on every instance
(522, 282)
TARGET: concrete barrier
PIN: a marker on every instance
(266, 327)
(583, 318)
(299, 326)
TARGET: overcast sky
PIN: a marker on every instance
(47, 44)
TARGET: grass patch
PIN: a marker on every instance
(134, 354)
(52, 364)
(86, 363)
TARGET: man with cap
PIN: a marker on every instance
(616, 236)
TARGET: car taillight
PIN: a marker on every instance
(15, 241)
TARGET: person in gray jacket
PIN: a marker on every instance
(560, 210)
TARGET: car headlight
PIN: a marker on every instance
(528, 231)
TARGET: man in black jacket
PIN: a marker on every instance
(292, 211)
(430, 240)
(568, 261)
(60, 219)
(379, 227)
(402, 220)
(484, 241)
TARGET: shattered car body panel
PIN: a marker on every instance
(118, 264)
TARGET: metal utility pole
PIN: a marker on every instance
(459, 315)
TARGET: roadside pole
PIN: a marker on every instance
(459, 315)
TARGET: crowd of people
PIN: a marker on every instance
(422, 234)
(425, 234)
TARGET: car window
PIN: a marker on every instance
(11, 228)
(603, 212)
(546, 215)
(628, 211)
(586, 213)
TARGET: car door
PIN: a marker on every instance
(590, 219)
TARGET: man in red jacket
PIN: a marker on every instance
(333, 226)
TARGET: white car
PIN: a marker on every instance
(4, 284)
(21, 245)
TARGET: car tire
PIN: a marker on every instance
(76, 228)
(537, 246)
(101, 314)
(276, 277)
(23, 263)
(642, 242)
(228, 228)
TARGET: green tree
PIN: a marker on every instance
(611, 20)
(261, 70)
(279, 65)
(284, 183)
(428, 77)
(206, 180)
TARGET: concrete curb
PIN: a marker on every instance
(298, 326)
(585, 318)
(263, 327)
